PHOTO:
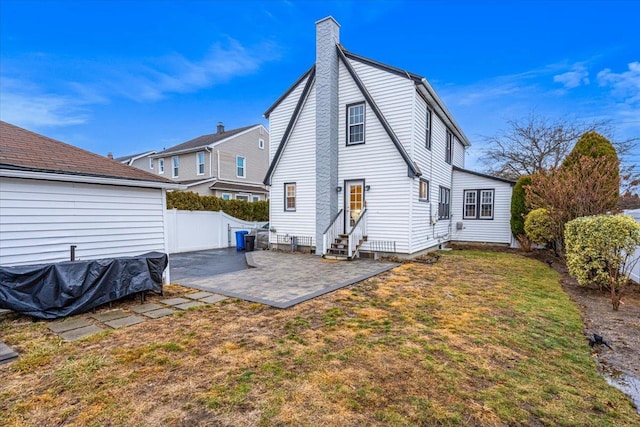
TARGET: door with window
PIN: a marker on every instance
(354, 203)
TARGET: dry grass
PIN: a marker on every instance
(479, 338)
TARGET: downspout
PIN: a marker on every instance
(219, 171)
(210, 161)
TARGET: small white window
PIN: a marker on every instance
(161, 166)
(355, 124)
(150, 163)
(290, 196)
(240, 167)
(176, 166)
(200, 163)
(242, 197)
(261, 144)
(226, 196)
(255, 198)
(423, 191)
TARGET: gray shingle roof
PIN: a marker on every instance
(202, 141)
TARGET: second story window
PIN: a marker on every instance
(200, 163)
(428, 128)
(161, 166)
(150, 163)
(261, 144)
(355, 124)
(176, 166)
(449, 154)
(240, 167)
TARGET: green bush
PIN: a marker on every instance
(538, 227)
(599, 251)
(190, 201)
(518, 206)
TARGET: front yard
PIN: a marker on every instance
(480, 338)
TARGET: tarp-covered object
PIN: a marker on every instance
(50, 291)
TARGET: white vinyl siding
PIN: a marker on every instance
(40, 220)
(458, 154)
(280, 116)
(496, 230)
(297, 164)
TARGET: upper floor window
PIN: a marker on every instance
(261, 143)
(478, 204)
(176, 166)
(444, 203)
(200, 163)
(161, 166)
(428, 128)
(449, 154)
(423, 190)
(290, 196)
(240, 167)
(355, 123)
(150, 163)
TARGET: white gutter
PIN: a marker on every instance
(48, 176)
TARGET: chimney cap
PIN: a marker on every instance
(328, 18)
(220, 127)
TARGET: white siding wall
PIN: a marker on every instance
(496, 230)
(297, 164)
(378, 161)
(458, 154)
(279, 118)
(39, 220)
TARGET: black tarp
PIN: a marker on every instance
(50, 291)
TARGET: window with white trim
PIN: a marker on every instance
(226, 196)
(161, 166)
(290, 196)
(255, 198)
(428, 128)
(423, 190)
(151, 163)
(240, 167)
(175, 161)
(449, 154)
(261, 144)
(200, 163)
(478, 204)
(444, 203)
(355, 123)
(242, 197)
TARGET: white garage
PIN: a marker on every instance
(54, 196)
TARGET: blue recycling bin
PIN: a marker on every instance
(240, 239)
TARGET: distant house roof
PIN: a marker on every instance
(133, 157)
(204, 141)
(24, 150)
(232, 186)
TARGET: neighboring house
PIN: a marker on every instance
(229, 163)
(141, 161)
(368, 158)
(54, 195)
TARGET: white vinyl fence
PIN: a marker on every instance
(201, 230)
(635, 273)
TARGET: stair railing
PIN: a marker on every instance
(333, 230)
(358, 231)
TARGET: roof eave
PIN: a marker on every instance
(484, 175)
(429, 92)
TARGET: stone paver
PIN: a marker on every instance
(214, 299)
(199, 295)
(68, 325)
(124, 321)
(109, 315)
(143, 308)
(283, 279)
(188, 305)
(7, 354)
(154, 314)
(174, 301)
(76, 334)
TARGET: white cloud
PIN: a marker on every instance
(625, 85)
(574, 78)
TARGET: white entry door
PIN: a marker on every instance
(354, 203)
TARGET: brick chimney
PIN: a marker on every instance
(110, 155)
(220, 127)
(327, 38)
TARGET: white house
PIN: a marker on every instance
(369, 158)
(54, 195)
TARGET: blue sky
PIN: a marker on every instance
(127, 76)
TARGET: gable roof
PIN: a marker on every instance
(133, 157)
(483, 175)
(203, 141)
(23, 150)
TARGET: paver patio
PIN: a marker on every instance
(282, 279)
